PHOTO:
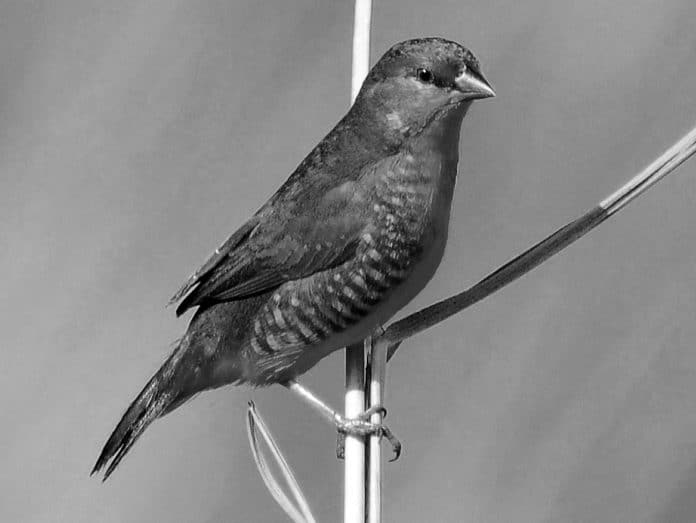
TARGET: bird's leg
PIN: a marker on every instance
(359, 426)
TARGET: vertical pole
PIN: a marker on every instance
(354, 455)
(377, 373)
(354, 472)
(361, 45)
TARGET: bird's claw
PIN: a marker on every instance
(375, 409)
(362, 426)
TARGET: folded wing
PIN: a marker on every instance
(283, 242)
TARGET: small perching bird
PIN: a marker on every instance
(350, 238)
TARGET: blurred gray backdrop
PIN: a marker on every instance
(134, 136)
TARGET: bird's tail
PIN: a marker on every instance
(162, 394)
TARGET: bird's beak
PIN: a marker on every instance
(472, 83)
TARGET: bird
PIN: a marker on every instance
(351, 237)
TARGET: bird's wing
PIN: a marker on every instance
(222, 252)
(286, 241)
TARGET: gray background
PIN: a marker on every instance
(136, 135)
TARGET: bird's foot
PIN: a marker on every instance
(362, 426)
(358, 426)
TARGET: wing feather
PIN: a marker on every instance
(279, 244)
(215, 258)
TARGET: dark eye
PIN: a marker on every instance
(425, 76)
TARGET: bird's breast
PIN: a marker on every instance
(413, 197)
(407, 214)
(412, 218)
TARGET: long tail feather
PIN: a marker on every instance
(152, 402)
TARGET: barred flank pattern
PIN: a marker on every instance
(306, 312)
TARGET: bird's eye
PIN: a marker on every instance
(425, 76)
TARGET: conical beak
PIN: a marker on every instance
(473, 84)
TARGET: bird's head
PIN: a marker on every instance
(418, 81)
